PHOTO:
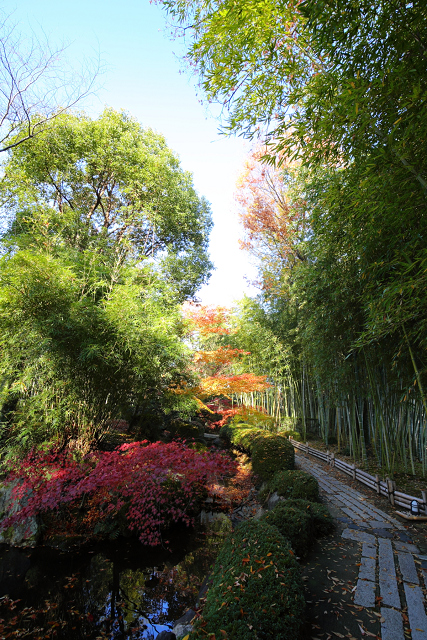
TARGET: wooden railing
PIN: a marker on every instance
(385, 487)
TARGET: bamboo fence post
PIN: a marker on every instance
(377, 480)
(390, 489)
(353, 471)
(424, 495)
(332, 459)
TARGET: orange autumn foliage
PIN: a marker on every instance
(227, 385)
(219, 357)
(207, 319)
(213, 365)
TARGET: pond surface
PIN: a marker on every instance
(115, 590)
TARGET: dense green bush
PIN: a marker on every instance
(294, 484)
(257, 590)
(246, 436)
(240, 434)
(226, 432)
(290, 424)
(293, 434)
(270, 454)
(294, 524)
(322, 521)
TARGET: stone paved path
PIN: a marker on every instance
(391, 574)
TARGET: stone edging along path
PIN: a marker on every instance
(392, 572)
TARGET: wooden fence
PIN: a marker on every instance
(385, 487)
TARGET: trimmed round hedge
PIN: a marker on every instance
(242, 434)
(294, 524)
(322, 521)
(295, 484)
(257, 590)
(270, 454)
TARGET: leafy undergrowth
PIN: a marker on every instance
(238, 486)
(139, 486)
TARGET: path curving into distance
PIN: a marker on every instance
(392, 575)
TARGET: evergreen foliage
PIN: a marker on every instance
(321, 519)
(256, 587)
(336, 93)
(294, 524)
(106, 236)
(294, 484)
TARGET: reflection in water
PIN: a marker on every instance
(120, 590)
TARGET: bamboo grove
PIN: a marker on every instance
(333, 205)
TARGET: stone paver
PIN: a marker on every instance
(354, 512)
(416, 613)
(387, 575)
(364, 595)
(392, 627)
(408, 568)
(366, 524)
(367, 568)
(358, 536)
(402, 546)
(369, 550)
(380, 525)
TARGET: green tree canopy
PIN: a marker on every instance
(106, 236)
(109, 185)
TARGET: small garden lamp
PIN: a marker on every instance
(414, 508)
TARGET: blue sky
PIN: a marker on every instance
(143, 75)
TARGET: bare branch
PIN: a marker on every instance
(36, 84)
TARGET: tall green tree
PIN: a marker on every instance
(109, 185)
(106, 238)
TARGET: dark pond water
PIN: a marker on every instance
(115, 590)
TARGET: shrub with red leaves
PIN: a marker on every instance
(154, 484)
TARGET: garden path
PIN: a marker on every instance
(392, 575)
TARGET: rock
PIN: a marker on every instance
(207, 517)
(186, 618)
(25, 534)
(181, 630)
(204, 589)
(182, 626)
(258, 513)
(273, 500)
(166, 635)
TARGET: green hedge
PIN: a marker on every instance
(245, 436)
(269, 452)
(296, 435)
(294, 484)
(256, 589)
(300, 522)
(322, 521)
(294, 524)
(240, 434)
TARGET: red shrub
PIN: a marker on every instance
(156, 483)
